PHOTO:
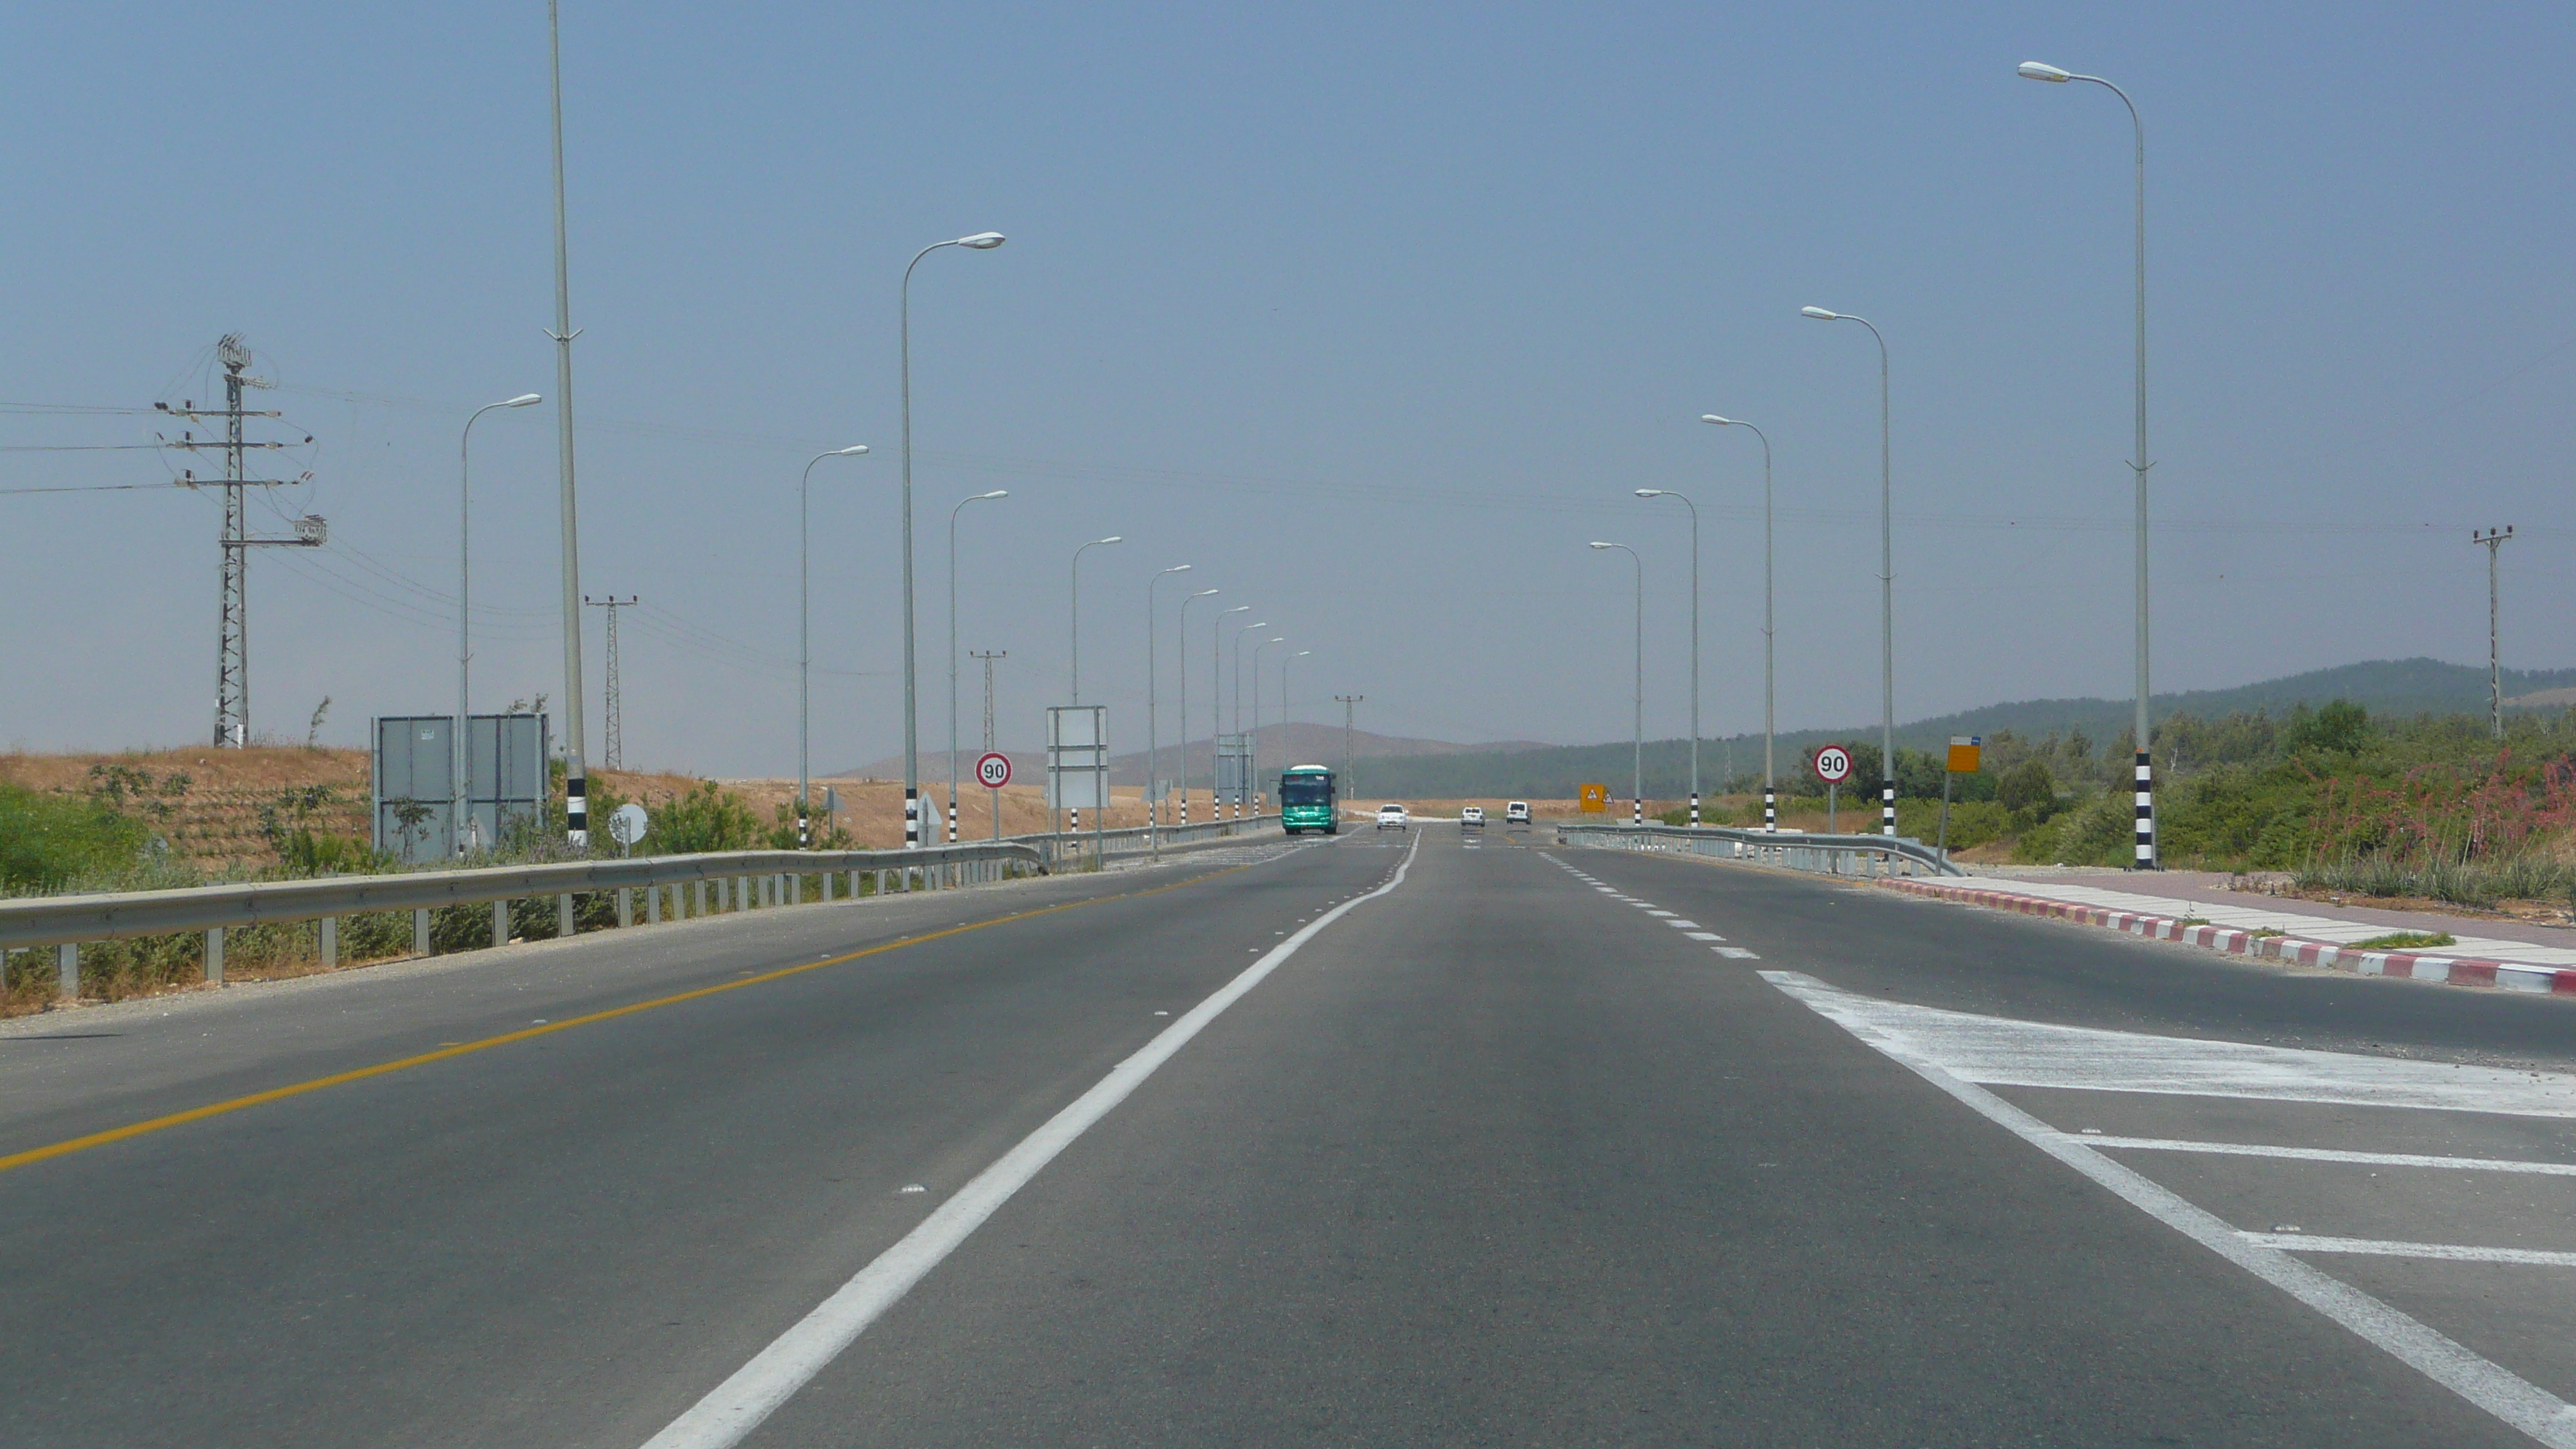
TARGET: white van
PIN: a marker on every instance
(1516, 813)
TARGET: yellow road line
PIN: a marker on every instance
(337, 1079)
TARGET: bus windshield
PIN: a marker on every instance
(1306, 790)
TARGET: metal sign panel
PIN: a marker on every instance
(993, 770)
(1233, 769)
(415, 782)
(1593, 799)
(1077, 769)
(1965, 752)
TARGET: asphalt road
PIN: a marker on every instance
(1525, 1145)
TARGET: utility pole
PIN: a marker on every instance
(232, 635)
(1348, 701)
(2494, 539)
(576, 766)
(613, 756)
(988, 656)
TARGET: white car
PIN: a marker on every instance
(1516, 813)
(1471, 815)
(1395, 816)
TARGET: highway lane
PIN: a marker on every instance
(1503, 1155)
(1516, 1163)
(533, 1243)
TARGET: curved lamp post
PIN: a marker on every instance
(1770, 785)
(1182, 655)
(1216, 708)
(1256, 706)
(1073, 611)
(998, 493)
(982, 241)
(1886, 586)
(2146, 799)
(1251, 742)
(1694, 638)
(805, 652)
(1637, 784)
(1153, 747)
(461, 821)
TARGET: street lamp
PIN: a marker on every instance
(1886, 586)
(1073, 611)
(1251, 742)
(1182, 654)
(804, 650)
(1256, 707)
(952, 649)
(1694, 636)
(461, 821)
(1637, 784)
(1216, 711)
(1770, 785)
(1153, 747)
(982, 241)
(1283, 696)
(2146, 800)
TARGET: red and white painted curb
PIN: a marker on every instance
(2412, 965)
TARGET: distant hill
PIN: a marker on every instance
(2384, 687)
(1296, 742)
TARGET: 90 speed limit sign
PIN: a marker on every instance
(1832, 764)
(993, 770)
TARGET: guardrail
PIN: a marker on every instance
(739, 879)
(1074, 847)
(1853, 855)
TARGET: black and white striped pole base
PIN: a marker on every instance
(1887, 807)
(1637, 811)
(1770, 810)
(804, 837)
(911, 818)
(577, 811)
(952, 819)
(1694, 810)
(2146, 811)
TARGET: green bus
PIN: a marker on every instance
(1306, 800)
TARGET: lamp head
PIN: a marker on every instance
(2035, 70)
(982, 241)
(1820, 314)
(1178, 569)
(850, 452)
(525, 399)
(1282, 639)
(1257, 623)
(1650, 493)
(1302, 653)
(1203, 593)
(996, 493)
(1113, 538)
(1598, 544)
(1237, 609)
(1714, 418)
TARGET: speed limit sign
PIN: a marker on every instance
(994, 770)
(1832, 764)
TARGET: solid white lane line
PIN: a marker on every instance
(2329, 1154)
(2376, 1247)
(2491, 1386)
(754, 1392)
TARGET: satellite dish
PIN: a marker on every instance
(628, 825)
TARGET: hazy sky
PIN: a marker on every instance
(1373, 314)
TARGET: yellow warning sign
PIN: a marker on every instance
(1595, 798)
(1965, 751)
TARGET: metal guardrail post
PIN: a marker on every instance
(67, 972)
(420, 931)
(215, 956)
(330, 941)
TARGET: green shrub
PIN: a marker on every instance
(47, 840)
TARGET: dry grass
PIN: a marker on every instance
(215, 822)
